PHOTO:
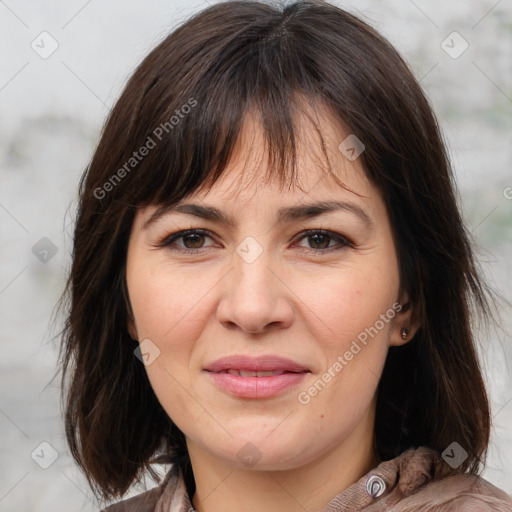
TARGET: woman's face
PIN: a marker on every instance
(263, 288)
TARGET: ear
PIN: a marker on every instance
(404, 325)
(132, 330)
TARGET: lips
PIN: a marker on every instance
(250, 373)
(255, 377)
(261, 366)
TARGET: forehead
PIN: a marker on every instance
(250, 188)
(321, 167)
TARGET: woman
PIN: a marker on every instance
(272, 288)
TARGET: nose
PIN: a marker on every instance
(255, 297)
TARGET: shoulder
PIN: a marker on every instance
(423, 481)
(146, 501)
(465, 492)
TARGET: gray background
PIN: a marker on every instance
(52, 110)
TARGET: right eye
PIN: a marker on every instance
(194, 237)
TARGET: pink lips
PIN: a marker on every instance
(255, 377)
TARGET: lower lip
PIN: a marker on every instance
(256, 387)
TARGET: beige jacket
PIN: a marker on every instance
(403, 484)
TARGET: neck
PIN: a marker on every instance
(220, 487)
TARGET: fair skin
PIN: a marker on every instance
(298, 299)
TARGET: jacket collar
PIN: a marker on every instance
(410, 470)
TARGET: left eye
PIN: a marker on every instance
(319, 236)
(193, 240)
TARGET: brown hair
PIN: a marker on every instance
(185, 104)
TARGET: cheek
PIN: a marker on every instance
(164, 300)
(170, 307)
(166, 309)
(354, 314)
(347, 302)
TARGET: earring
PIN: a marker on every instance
(404, 332)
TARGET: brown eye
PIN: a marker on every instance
(320, 239)
(193, 239)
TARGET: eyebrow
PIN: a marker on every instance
(284, 214)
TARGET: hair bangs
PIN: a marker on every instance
(262, 77)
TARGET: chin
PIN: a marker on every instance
(260, 453)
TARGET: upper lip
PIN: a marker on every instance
(256, 364)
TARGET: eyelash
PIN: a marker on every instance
(169, 240)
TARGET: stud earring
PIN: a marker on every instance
(404, 332)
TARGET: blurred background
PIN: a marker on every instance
(62, 66)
